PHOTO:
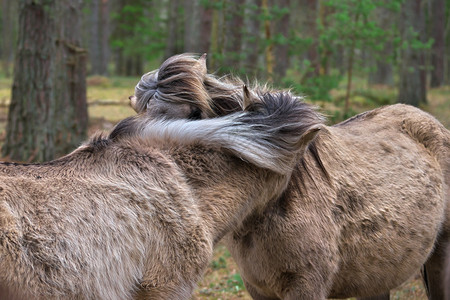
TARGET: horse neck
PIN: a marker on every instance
(226, 188)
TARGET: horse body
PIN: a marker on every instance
(91, 235)
(366, 207)
(362, 231)
(136, 213)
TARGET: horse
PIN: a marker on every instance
(447, 274)
(366, 207)
(135, 213)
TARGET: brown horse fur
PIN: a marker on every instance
(447, 274)
(367, 205)
(137, 212)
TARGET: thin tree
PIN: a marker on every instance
(268, 36)
(174, 43)
(234, 24)
(99, 36)
(438, 48)
(252, 38)
(281, 49)
(203, 38)
(412, 87)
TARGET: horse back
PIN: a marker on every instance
(422, 130)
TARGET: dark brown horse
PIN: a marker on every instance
(367, 205)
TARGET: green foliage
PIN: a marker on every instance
(315, 87)
(139, 30)
(235, 283)
(220, 263)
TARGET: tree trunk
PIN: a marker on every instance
(251, 39)
(326, 52)
(47, 114)
(234, 24)
(191, 26)
(174, 37)
(268, 36)
(204, 38)
(383, 73)
(281, 50)
(412, 89)
(99, 37)
(105, 32)
(9, 33)
(312, 54)
(217, 38)
(350, 70)
(70, 79)
(438, 48)
(94, 45)
(31, 126)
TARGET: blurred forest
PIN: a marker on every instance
(336, 51)
(344, 54)
(310, 44)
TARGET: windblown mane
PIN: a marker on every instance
(182, 79)
(267, 134)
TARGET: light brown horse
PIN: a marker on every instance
(366, 207)
(136, 213)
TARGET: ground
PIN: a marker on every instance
(108, 103)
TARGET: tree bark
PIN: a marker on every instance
(9, 33)
(47, 114)
(94, 45)
(30, 130)
(438, 48)
(70, 79)
(99, 37)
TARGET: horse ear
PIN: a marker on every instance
(202, 64)
(133, 103)
(247, 98)
(309, 135)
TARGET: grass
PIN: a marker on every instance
(222, 280)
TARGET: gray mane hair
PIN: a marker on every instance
(183, 79)
(179, 79)
(267, 134)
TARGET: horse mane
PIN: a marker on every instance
(181, 79)
(268, 134)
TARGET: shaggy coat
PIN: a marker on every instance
(366, 207)
(135, 214)
(447, 274)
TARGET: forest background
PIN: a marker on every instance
(68, 66)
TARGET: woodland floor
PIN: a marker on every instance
(108, 103)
